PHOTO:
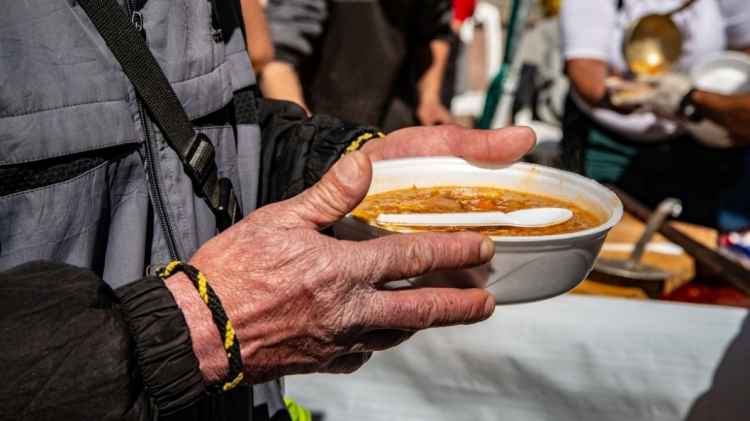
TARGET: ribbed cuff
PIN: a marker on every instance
(332, 139)
(170, 369)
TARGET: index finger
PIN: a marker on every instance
(497, 145)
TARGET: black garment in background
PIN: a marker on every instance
(682, 168)
(367, 63)
(738, 199)
(575, 125)
(450, 75)
(297, 151)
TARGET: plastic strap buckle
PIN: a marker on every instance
(199, 161)
(200, 166)
(228, 212)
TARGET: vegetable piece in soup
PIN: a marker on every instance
(472, 199)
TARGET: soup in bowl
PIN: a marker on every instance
(530, 264)
(455, 199)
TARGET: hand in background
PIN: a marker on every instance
(280, 81)
(664, 100)
(433, 113)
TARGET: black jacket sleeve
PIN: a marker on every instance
(433, 22)
(297, 150)
(74, 349)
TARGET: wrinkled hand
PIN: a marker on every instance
(302, 302)
(433, 113)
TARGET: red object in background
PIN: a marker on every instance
(463, 9)
(698, 293)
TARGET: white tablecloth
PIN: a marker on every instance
(570, 358)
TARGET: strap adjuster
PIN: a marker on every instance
(200, 166)
(199, 161)
(228, 212)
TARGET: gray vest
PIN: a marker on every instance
(63, 93)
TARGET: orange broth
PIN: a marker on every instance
(472, 199)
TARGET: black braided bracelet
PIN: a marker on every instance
(231, 344)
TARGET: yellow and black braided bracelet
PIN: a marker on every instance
(361, 140)
(231, 344)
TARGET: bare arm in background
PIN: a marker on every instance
(430, 110)
(731, 112)
(280, 81)
(587, 77)
(258, 37)
(294, 25)
(585, 29)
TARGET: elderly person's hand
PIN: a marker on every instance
(302, 302)
(501, 145)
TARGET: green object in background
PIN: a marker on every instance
(297, 412)
(606, 159)
(495, 90)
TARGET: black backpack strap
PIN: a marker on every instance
(194, 149)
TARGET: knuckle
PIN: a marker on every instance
(367, 264)
(331, 195)
(420, 254)
(427, 313)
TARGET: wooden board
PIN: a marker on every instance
(628, 230)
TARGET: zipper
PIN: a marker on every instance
(129, 7)
(158, 197)
(157, 194)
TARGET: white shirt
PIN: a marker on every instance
(594, 29)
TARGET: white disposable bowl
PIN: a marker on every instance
(726, 73)
(524, 268)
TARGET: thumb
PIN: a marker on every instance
(336, 194)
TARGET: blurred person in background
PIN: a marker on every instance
(729, 111)
(456, 66)
(257, 36)
(543, 86)
(648, 154)
(372, 62)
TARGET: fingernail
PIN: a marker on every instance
(487, 250)
(347, 170)
(489, 307)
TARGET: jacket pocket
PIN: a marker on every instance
(97, 219)
(56, 222)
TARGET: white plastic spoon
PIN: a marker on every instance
(661, 248)
(538, 217)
